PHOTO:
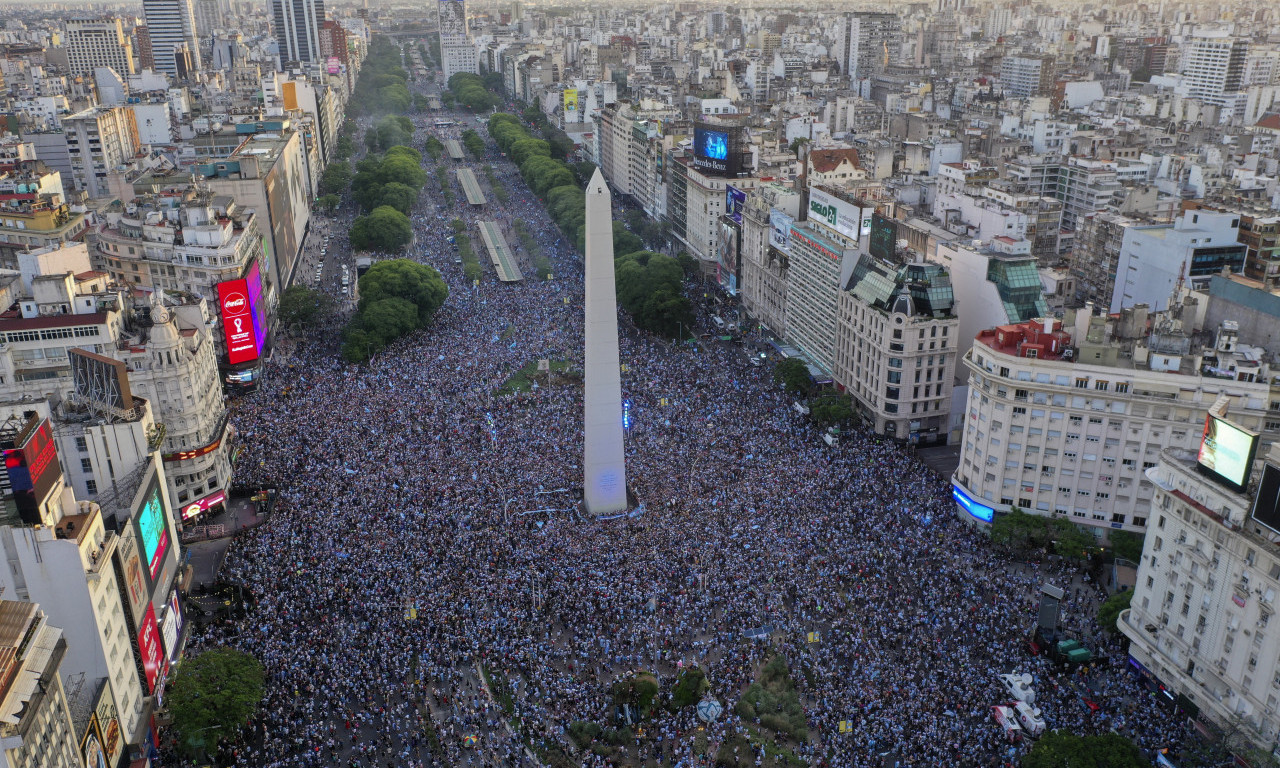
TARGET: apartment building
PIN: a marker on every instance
(1065, 419)
(98, 42)
(813, 287)
(1026, 75)
(895, 346)
(1201, 622)
(766, 236)
(98, 140)
(35, 721)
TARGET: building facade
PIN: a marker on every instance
(35, 721)
(99, 139)
(1065, 421)
(98, 42)
(297, 25)
(171, 33)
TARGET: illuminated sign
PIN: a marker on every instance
(32, 467)
(152, 531)
(570, 100)
(149, 648)
(237, 321)
(203, 505)
(813, 243)
(333, 65)
(979, 511)
(779, 230)
(1227, 451)
(257, 310)
(171, 627)
(734, 201)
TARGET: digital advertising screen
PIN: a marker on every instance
(152, 531)
(150, 649)
(257, 310)
(779, 230)
(713, 145)
(1226, 451)
(32, 467)
(238, 326)
(734, 201)
(1266, 505)
(884, 237)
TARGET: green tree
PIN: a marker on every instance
(1022, 534)
(434, 147)
(650, 288)
(385, 229)
(832, 409)
(624, 240)
(328, 203)
(1063, 749)
(399, 196)
(582, 172)
(211, 696)
(303, 306)
(1111, 608)
(796, 144)
(525, 148)
(637, 691)
(793, 374)
(388, 319)
(417, 283)
(335, 178)
(690, 684)
(1127, 545)
(472, 142)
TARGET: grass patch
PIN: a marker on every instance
(772, 702)
(470, 262)
(541, 264)
(499, 189)
(522, 380)
(500, 687)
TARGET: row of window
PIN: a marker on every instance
(80, 332)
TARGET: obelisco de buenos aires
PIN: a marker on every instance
(604, 478)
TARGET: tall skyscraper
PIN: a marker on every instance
(297, 26)
(98, 42)
(171, 26)
(457, 52)
(1213, 64)
(866, 42)
(604, 475)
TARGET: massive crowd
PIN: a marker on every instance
(411, 486)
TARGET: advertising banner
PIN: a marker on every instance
(734, 201)
(836, 214)
(1227, 451)
(779, 230)
(150, 649)
(570, 100)
(203, 505)
(109, 727)
(171, 627)
(237, 321)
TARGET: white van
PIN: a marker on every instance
(1008, 721)
(718, 321)
(1019, 687)
(1031, 719)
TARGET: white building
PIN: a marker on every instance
(99, 140)
(996, 283)
(1155, 260)
(1064, 421)
(35, 721)
(296, 24)
(98, 42)
(1202, 617)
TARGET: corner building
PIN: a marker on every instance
(1065, 421)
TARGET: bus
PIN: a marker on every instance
(444, 123)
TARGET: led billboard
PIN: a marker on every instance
(884, 237)
(238, 329)
(32, 467)
(713, 145)
(257, 310)
(734, 201)
(1266, 505)
(149, 648)
(716, 149)
(1226, 451)
(779, 230)
(152, 530)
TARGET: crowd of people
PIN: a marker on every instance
(431, 591)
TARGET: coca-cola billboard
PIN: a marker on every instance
(243, 344)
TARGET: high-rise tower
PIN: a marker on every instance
(604, 475)
(171, 27)
(297, 26)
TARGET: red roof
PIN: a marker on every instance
(827, 160)
(90, 275)
(1027, 339)
(1271, 122)
(51, 321)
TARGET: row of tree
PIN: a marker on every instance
(386, 188)
(397, 297)
(382, 87)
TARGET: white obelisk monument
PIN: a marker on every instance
(604, 477)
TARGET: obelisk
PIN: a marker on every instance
(604, 477)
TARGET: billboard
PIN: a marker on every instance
(32, 467)
(734, 201)
(779, 230)
(884, 237)
(199, 506)
(100, 379)
(171, 627)
(727, 258)
(257, 309)
(453, 18)
(1226, 451)
(1266, 505)
(132, 583)
(153, 533)
(570, 100)
(333, 65)
(243, 345)
(715, 148)
(834, 213)
(108, 722)
(149, 648)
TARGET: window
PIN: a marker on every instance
(895, 362)
(91, 486)
(86, 465)
(81, 444)
(1122, 387)
(1082, 383)
(1102, 386)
